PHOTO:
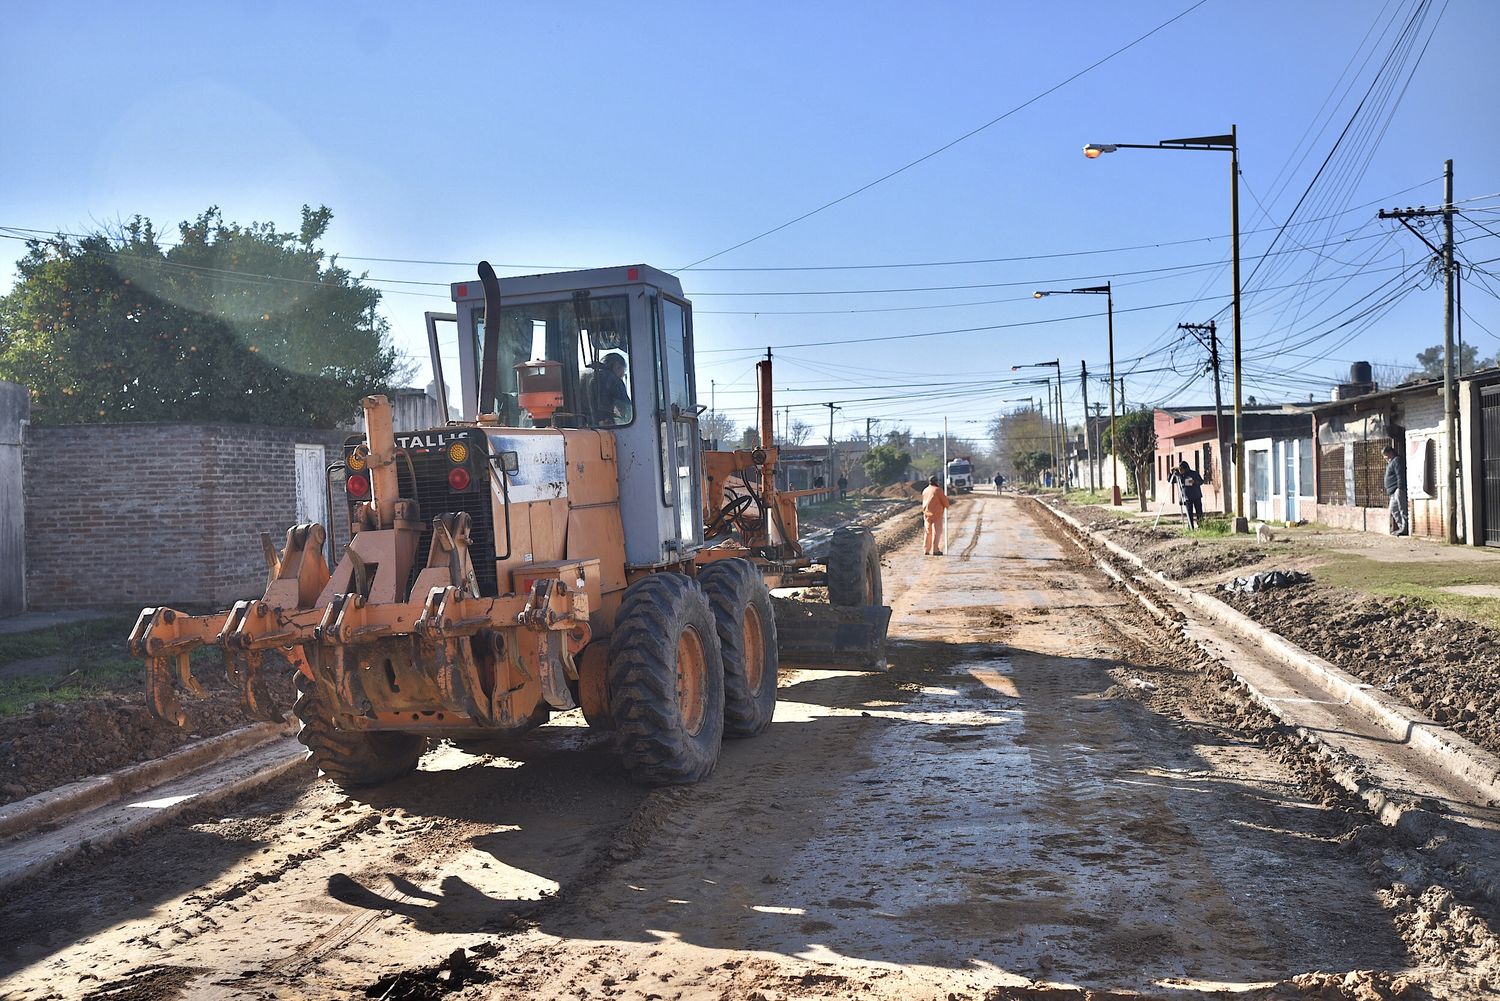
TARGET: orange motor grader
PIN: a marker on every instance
(570, 542)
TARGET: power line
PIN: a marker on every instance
(949, 145)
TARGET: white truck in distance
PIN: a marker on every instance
(961, 475)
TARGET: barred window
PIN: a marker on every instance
(1331, 476)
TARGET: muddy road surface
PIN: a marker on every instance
(1042, 798)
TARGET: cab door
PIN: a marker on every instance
(678, 419)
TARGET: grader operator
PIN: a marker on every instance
(568, 543)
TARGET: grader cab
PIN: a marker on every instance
(569, 543)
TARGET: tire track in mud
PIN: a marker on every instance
(973, 542)
(1002, 803)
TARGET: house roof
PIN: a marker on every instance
(1383, 396)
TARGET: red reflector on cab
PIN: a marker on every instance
(458, 479)
(463, 290)
(359, 486)
(633, 274)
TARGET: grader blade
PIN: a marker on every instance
(811, 634)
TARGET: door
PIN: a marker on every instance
(678, 420)
(1289, 480)
(1260, 484)
(1489, 423)
(312, 495)
(435, 349)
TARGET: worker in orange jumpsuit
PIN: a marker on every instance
(935, 504)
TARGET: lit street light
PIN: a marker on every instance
(1224, 144)
(1109, 301)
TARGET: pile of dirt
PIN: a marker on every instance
(905, 491)
(52, 744)
(1447, 668)
(1176, 556)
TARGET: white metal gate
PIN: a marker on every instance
(15, 407)
(312, 498)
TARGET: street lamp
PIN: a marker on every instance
(1109, 302)
(1062, 461)
(1223, 144)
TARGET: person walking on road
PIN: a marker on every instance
(1190, 492)
(935, 504)
(1395, 487)
(999, 482)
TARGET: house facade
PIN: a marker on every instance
(1351, 436)
(1272, 433)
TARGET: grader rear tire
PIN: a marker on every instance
(747, 636)
(853, 568)
(666, 682)
(351, 758)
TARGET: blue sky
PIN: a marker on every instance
(562, 135)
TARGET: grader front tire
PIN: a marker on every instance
(351, 758)
(666, 682)
(853, 568)
(746, 626)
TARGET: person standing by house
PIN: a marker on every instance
(843, 487)
(935, 504)
(1395, 487)
(1190, 492)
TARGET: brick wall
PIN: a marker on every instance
(156, 514)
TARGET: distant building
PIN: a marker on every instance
(1193, 435)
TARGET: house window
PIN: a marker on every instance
(1331, 476)
(1208, 462)
(1305, 468)
(1369, 474)
(1429, 468)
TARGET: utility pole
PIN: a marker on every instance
(1088, 436)
(1063, 426)
(945, 453)
(1450, 360)
(1212, 344)
(832, 470)
(1056, 449)
(868, 421)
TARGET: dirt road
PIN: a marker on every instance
(1040, 799)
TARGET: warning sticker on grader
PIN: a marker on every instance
(540, 471)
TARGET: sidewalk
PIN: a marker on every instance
(1462, 580)
(1413, 617)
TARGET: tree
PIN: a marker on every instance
(1024, 431)
(885, 464)
(244, 324)
(798, 432)
(1028, 465)
(749, 438)
(1136, 446)
(1431, 361)
(715, 426)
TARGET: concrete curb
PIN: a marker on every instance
(1439, 747)
(43, 857)
(56, 805)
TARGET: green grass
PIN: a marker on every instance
(116, 674)
(68, 636)
(96, 662)
(1208, 528)
(1419, 581)
(1086, 497)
